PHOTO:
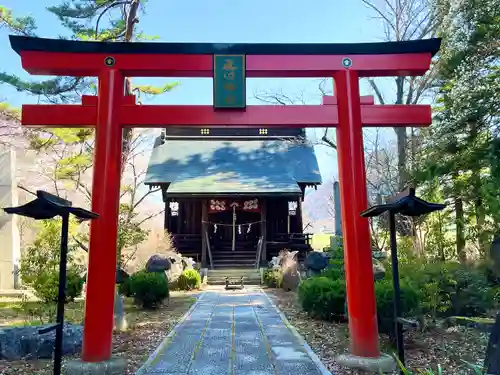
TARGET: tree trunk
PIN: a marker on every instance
(131, 20)
(459, 223)
(402, 139)
(476, 191)
(441, 253)
(492, 360)
(480, 219)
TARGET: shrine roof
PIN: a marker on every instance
(24, 43)
(232, 166)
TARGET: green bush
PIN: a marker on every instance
(46, 285)
(450, 288)
(335, 252)
(74, 284)
(335, 270)
(323, 298)
(470, 292)
(384, 294)
(39, 266)
(189, 280)
(149, 289)
(273, 278)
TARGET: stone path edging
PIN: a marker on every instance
(302, 340)
(150, 361)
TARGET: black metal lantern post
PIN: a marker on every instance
(48, 206)
(407, 204)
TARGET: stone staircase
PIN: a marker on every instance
(242, 257)
(251, 276)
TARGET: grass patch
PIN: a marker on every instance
(320, 240)
(19, 313)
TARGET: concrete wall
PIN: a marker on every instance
(10, 252)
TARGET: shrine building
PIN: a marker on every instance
(233, 196)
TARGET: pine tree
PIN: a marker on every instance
(86, 20)
(461, 143)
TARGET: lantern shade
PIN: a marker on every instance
(405, 203)
(48, 206)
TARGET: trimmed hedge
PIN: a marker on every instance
(149, 289)
(323, 298)
(189, 280)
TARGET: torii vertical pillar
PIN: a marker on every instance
(356, 230)
(97, 338)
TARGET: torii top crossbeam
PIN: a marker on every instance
(63, 57)
(112, 110)
(409, 58)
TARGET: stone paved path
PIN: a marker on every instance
(233, 333)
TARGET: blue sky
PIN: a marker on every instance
(279, 21)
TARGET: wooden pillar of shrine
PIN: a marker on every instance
(300, 225)
(263, 229)
(204, 226)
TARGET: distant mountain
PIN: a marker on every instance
(316, 208)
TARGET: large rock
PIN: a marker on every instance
(177, 264)
(25, 342)
(275, 263)
(378, 270)
(290, 268)
(379, 255)
(157, 263)
(316, 261)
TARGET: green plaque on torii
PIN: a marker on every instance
(229, 81)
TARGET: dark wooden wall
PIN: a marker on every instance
(277, 217)
(188, 220)
(186, 227)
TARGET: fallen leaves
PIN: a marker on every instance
(147, 329)
(448, 347)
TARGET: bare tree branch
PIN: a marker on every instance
(381, 14)
(150, 217)
(25, 189)
(105, 10)
(406, 20)
(375, 88)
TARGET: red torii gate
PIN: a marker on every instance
(112, 110)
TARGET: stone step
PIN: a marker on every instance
(238, 270)
(233, 272)
(234, 255)
(233, 277)
(229, 250)
(235, 261)
(225, 267)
